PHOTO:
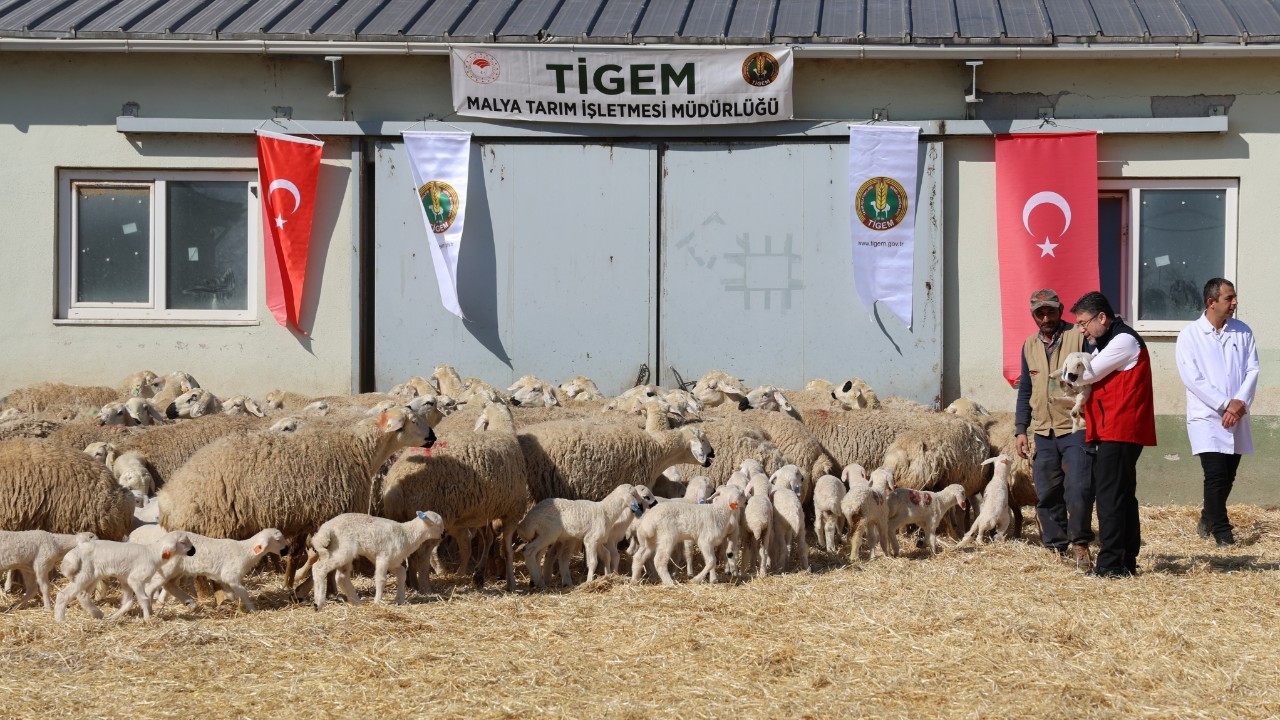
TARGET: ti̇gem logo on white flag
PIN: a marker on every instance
(440, 161)
(882, 178)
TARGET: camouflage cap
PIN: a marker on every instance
(1045, 298)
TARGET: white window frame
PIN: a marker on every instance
(152, 311)
(1130, 266)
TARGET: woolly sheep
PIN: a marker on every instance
(286, 400)
(79, 434)
(1002, 436)
(143, 384)
(61, 400)
(241, 405)
(574, 459)
(448, 381)
(193, 404)
(735, 440)
(718, 387)
(599, 526)
(175, 383)
(923, 508)
(943, 449)
(165, 449)
(470, 478)
(669, 485)
(994, 513)
(580, 389)
(661, 529)
(532, 391)
(132, 474)
(828, 494)
(35, 554)
(103, 452)
(134, 565)
(387, 543)
(242, 484)
(223, 561)
(47, 487)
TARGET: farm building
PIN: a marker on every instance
(133, 235)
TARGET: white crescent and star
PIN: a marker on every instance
(279, 183)
(1049, 198)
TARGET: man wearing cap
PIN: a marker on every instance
(1218, 362)
(1065, 506)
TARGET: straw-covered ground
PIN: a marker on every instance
(1001, 631)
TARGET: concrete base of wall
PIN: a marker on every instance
(1168, 474)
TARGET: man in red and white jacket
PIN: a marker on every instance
(1120, 420)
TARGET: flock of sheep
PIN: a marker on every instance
(159, 480)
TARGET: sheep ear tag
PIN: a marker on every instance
(257, 549)
(636, 509)
(423, 516)
(166, 554)
(733, 505)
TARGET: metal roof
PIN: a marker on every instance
(865, 22)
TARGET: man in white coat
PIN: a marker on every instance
(1218, 362)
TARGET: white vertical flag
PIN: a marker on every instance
(882, 174)
(440, 161)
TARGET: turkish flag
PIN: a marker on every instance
(288, 171)
(1047, 227)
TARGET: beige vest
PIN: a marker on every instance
(1046, 415)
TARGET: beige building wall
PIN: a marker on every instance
(65, 117)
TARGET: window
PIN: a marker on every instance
(1159, 242)
(158, 246)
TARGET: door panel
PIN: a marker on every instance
(757, 274)
(555, 274)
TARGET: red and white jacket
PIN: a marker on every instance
(1121, 407)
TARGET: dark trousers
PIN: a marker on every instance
(1115, 476)
(1065, 508)
(1219, 476)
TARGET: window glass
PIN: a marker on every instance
(113, 245)
(1182, 245)
(208, 237)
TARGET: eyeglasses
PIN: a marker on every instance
(1082, 324)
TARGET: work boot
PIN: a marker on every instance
(1084, 561)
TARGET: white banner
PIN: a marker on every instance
(440, 161)
(633, 87)
(882, 184)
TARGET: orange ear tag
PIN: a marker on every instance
(733, 505)
(257, 549)
(166, 555)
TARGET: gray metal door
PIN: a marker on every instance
(757, 274)
(556, 272)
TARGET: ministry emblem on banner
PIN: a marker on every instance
(440, 202)
(881, 203)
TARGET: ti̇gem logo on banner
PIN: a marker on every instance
(881, 203)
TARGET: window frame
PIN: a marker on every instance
(70, 310)
(1132, 189)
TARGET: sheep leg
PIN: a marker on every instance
(509, 551)
(802, 546)
(638, 559)
(31, 582)
(174, 589)
(708, 551)
(127, 600)
(534, 555)
(590, 546)
(420, 564)
(463, 540)
(78, 590)
(399, 571)
(931, 537)
(379, 579)
(343, 577)
(564, 553)
(662, 563)
(319, 574)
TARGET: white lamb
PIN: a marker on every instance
(828, 494)
(994, 514)
(387, 543)
(924, 509)
(757, 524)
(223, 561)
(664, 527)
(599, 526)
(787, 537)
(1073, 368)
(867, 512)
(35, 554)
(134, 565)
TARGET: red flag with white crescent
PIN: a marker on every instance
(288, 171)
(1047, 226)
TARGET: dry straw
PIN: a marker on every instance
(999, 631)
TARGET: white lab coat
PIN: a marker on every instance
(1217, 368)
